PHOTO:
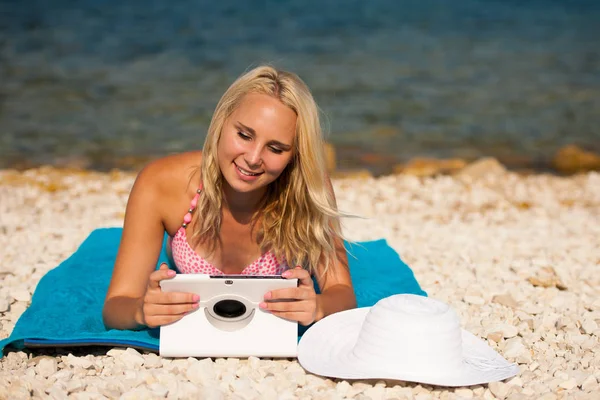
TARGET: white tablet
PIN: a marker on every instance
(229, 322)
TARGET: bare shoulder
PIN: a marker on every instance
(172, 173)
(171, 181)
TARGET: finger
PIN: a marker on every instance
(299, 273)
(160, 297)
(156, 310)
(303, 318)
(162, 273)
(156, 321)
(295, 306)
(289, 294)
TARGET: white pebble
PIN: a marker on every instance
(487, 395)
(63, 375)
(532, 309)
(524, 357)
(506, 300)
(254, 362)
(476, 300)
(590, 384)
(201, 372)
(376, 392)
(132, 359)
(569, 384)
(464, 393)
(342, 388)
(135, 394)
(115, 352)
(78, 361)
(514, 347)
(589, 326)
(499, 389)
(516, 381)
(4, 304)
(508, 331)
(46, 367)
(152, 361)
(495, 336)
(589, 344)
(21, 295)
(56, 393)
(528, 392)
(266, 391)
(75, 385)
(158, 389)
(243, 388)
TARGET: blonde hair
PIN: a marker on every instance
(298, 215)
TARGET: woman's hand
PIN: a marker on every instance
(160, 308)
(299, 303)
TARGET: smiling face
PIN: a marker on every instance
(256, 143)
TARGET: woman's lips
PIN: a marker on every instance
(245, 174)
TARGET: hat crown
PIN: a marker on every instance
(417, 332)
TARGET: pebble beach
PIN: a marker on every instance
(517, 256)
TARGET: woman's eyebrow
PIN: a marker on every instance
(253, 132)
(282, 145)
(245, 128)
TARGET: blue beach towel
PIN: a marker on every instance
(66, 308)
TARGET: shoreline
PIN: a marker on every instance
(346, 159)
(351, 162)
(515, 255)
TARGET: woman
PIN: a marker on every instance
(255, 201)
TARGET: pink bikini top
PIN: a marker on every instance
(188, 261)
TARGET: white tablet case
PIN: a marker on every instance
(203, 333)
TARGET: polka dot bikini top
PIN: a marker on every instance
(188, 261)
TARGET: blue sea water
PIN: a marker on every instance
(97, 81)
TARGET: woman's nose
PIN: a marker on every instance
(253, 156)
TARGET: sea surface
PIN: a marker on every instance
(105, 83)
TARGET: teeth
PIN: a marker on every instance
(245, 172)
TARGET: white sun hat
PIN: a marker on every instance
(403, 337)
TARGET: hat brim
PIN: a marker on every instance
(326, 349)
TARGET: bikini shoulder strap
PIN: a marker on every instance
(187, 218)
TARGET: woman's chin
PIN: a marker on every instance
(245, 186)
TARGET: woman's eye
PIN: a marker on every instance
(276, 150)
(243, 136)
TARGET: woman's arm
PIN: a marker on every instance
(138, 253)
(337, 293)
(134, 298)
